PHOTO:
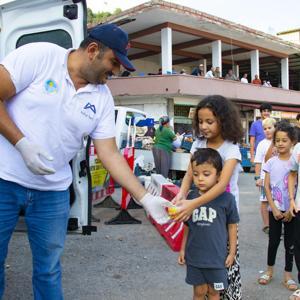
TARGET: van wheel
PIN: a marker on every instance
(247, 169)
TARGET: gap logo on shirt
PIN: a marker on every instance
(203, 213)
(50, 86)
(89, 110)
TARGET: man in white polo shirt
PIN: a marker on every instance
(50, 99)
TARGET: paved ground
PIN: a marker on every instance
(133, 262)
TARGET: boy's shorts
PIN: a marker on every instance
(217, 278)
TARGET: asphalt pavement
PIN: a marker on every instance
(133, 262)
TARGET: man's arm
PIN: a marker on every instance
(7, 127)
(117, 167)
(31, 153)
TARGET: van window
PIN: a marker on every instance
(58, 37)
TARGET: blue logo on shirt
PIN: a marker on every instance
(50, 86)
(91, 107)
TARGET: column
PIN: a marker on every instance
(204, 63)
(254, 54)
(285, 73)
(217, 54)
(166, 50)
(236, 70)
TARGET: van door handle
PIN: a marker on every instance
(83, 168)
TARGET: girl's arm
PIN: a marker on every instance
(187, 206)
(291, 187)
(181, 259)
(232, 236)
(185, 185)
(276, 212)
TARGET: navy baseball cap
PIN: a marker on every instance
(116, 39)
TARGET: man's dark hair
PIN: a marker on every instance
(208, 156)
(265, 106)
(285, 126)
(88, 40)
(298, 117)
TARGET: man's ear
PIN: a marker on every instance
(93, 50)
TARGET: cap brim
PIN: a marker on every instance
(124, 61)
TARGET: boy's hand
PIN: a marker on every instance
(278, 215)
(293, 209)
(181, 259)
(229, 260)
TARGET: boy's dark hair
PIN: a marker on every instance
(285, 126)
(209, 156)
(298, 117)
(264, 106)
(226, 113)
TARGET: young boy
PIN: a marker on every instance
(262, 148)
(206, 233)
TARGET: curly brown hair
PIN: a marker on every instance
(227, 115)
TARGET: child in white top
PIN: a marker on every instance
(277, 171)
(262, 148)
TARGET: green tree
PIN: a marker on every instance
(99, 17)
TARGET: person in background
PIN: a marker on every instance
(244, 79)
(210, 73)
(298, 120)
(256, 130)
(294, 196)
(208, 230)
(198, 71)
(230, 75)
(262, 148)
(164, 136)
(277, 171)
(217, 73)
(256, 80)
(183, 72)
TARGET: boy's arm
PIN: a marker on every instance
(232, 237)
(184, 239)
(258, 181)
(291, 188)
(181, 256)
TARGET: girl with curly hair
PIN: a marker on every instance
(216, 125)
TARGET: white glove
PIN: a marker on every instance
(32, 154)
(156, 207)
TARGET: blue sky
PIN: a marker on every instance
(270, 16)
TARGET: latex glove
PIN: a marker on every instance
(32, 155)
(156, 207)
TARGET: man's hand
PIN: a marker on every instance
(156, 207)
(32, 155)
